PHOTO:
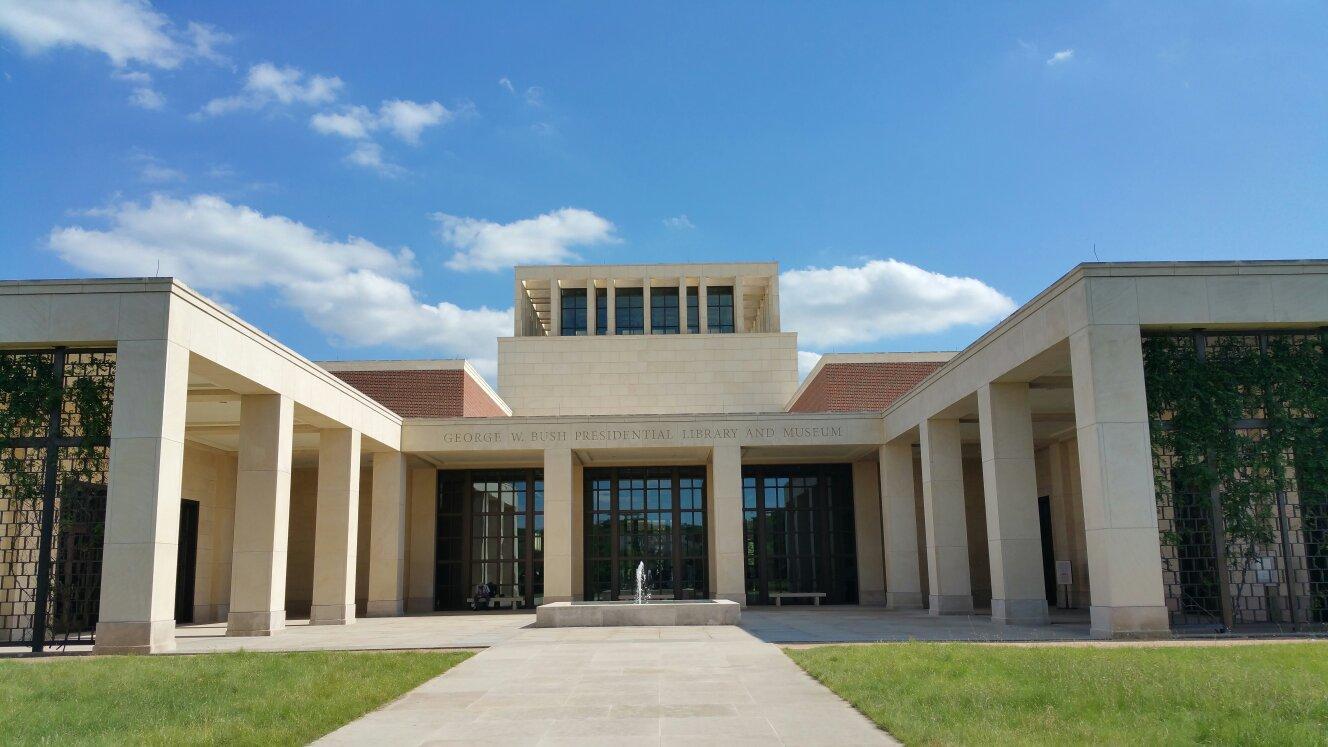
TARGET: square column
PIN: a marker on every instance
(1116, 474)
(262, 516)
(137, 612)
(943, 510)
(555, 309)
(682, 304)
(336, 527)
(724, 519)
(611, 306)
(739, 310)
(423, 537)
(645, 306)
(701, 311)
(867, 533)
(903, 578)
(558, 506)
(591, 314)
(1009, 481)
(387, 536)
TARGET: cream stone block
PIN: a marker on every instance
(144, 316)
(558, 550)
(143, 498)
(1240, 298)
(1009, 480)
(867, 530)
(85, 317)
(1300, 298)
(1110, 394)
(725, 518)
(1173, 300)
(262, 516)
(423, 537)
(903, 582)
(336, 527)
(25, 319)
(387, 536)
(1113, 300)
(943, 512)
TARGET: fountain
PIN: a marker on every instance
(641, 610)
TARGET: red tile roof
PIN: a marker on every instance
(426, 393)
(859, 387)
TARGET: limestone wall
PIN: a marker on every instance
(209, 478)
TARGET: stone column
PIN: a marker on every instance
(682, 304)
(645, 306)
(558, 505)
(1009, 482)
(423, 537)
(387, 536)
(867, 533)
(262, 516)
(336, 527)
(701, 312)
(611, 291)
(591, 315)
(137, 612)
(903, 579)
(739, 310)
(724, 517)
(555, 309)
(1116, 474)
(943, 510)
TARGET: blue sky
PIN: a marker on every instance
(355, 178)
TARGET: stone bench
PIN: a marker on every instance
(815, 596)
(500, 601)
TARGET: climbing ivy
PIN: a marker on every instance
(1242, 415)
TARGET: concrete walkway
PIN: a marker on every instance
(581, 686)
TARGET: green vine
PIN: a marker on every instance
(1196, 407)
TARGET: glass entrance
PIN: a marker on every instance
(651, 515)
(490, 531)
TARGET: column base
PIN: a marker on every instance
(385, 608)
(135, 637)
(255, 623)
(903, 600)
(871, 598)
(1130, 622)
(1020, 612)
(951, 604)
(739, 598)
(332, 614)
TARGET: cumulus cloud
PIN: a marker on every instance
(679, 223)
(404, 119)
(544, 239)
(148, 98)
(806, 362)
(506, 82)
(126, 31)
(1061, 57)
(267, 84)
(882, 299)
(369, 155)
(352, 289)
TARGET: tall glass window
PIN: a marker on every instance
(664, 311)
(602, 313)
(573, 320)
(719, 308)
(629, 312)
(798, 532)
(654, 516)
(490, 530)
(693, 318)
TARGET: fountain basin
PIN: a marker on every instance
(653, 613)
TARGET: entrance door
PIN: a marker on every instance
(186, 562)
(1048, 552)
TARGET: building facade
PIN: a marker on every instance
(1141, 441)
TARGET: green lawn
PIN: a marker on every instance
(941, 693)
(237, 698)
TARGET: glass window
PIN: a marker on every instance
(490, 530)
(573, 321)
(663, 311)
(629, 312)
(719, 308)
(693, 318)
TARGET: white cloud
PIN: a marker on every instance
(1063, 56)
(352, 289)
(147, 98)
(126, 31)
(505, 82)
(806, 362)
(679, 222)
(882, 299)
(545, 239)
(404, 119)
(266, 83)
(370, 156)
(534, 96)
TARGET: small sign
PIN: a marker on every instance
(1063, 575)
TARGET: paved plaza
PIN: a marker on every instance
(585, 686)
